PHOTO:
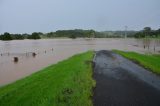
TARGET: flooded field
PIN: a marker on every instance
(34, 55)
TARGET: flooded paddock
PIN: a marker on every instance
(24, 57)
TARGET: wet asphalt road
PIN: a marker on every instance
(120, 82)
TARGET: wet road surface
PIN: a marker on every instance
(120, 82)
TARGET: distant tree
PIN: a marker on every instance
(147, 31)
(153, 33)
(25, 35)
(6, 36)
(92, 33)
(75, 33)
(34, 35)
(72, 36)
(139, 35)
(89, 33)
(17, 36)
(51, 34)
(40, 33)
(158, 32)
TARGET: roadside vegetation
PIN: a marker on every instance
(67, 83)
(148, 61)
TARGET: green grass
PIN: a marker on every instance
(151, 62)
(68, 83)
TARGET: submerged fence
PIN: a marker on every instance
(16, 56)
(149, 44)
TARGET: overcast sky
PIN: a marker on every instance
(27, 16)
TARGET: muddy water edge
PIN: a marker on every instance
(51, 51)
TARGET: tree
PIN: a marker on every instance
(158, 32)
(18, 36)
(6, 36)
(72, 36)
(147, 31)
(25, 35)
(51, 34)
(34, 35)
(139, 35)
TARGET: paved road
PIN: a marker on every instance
(120, 82)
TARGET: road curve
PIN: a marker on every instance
(120, 82)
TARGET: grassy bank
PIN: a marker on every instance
(64, 84)
(151, 62)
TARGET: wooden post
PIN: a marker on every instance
(15, 59)
(34, 54)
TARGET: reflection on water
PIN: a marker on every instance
(53, 50)
(149, 45)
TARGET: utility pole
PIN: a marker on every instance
(126, 27)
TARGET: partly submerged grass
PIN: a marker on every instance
(151, 62)
(67, 83)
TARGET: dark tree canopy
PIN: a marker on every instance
(6, 36)
(18, 36)
(147, 32)
(34, 35)
(147, 29)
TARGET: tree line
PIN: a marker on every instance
(148, 32)
(71, 33)
(8, 36)
(88, 33)
(60, 33)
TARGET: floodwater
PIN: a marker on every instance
(51, 51)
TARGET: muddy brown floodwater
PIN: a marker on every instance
(50, 51)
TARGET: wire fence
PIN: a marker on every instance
(16, 56)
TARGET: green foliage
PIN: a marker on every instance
(147, 29)
(147, 32)
(139, 35)
(88, 34)
(114, 34)
(50, 35)
(75, 33)
(151, 62)
(34, 35)
(68, 83)
(17, 36)
(73, 36)
(6, 36)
